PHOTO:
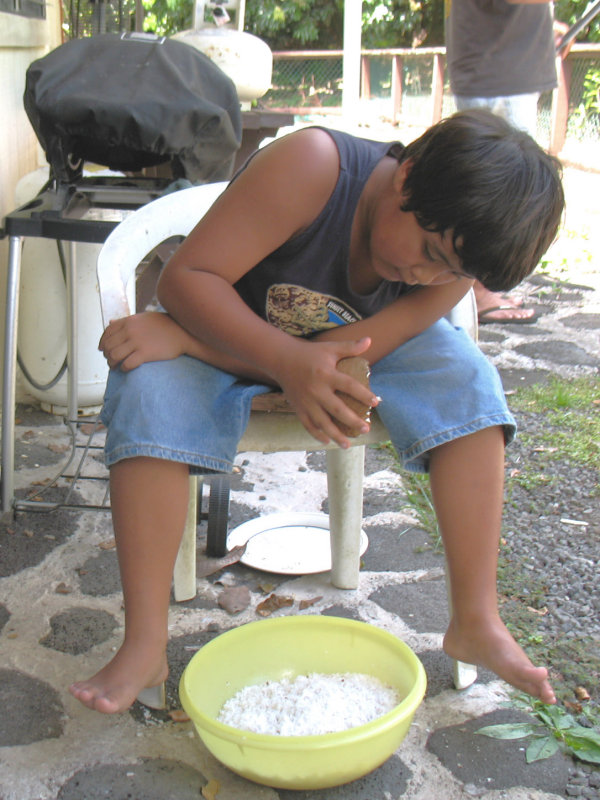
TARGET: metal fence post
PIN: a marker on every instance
(437, 87)
(396, 88)
(365, 78)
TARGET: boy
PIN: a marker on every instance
(327, 246)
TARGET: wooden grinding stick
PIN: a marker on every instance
(357, 368)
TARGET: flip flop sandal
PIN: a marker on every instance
(483, 317)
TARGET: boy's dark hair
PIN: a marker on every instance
(491, 185)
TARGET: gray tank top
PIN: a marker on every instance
(496, 48)
(303, 287)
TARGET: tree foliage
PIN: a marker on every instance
(318, 24)
(165, 17)
(570, 11)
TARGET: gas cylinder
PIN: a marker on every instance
(42, 332)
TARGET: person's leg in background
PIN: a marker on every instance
(521, 111)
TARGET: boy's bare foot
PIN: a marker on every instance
(491, 645)
(116, 686)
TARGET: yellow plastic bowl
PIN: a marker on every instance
(287, 647)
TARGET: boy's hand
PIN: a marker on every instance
(312, 383)
(358, 368)
(135, 340)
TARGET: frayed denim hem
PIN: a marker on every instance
(198, 464)
(416, 458)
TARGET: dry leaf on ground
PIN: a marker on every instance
(234, 599)
(581, 693)
(179, 715)
(308, 603)
(109, 544)
(273, 603)
(211, 790)
(58, 448)
(208, 566)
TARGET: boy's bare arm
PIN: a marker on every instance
(155, 336)
(403, 319)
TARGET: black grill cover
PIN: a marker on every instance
(130, 101)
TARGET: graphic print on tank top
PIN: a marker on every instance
(301, 312)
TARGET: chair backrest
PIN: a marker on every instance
(130, 242)
(176, 214)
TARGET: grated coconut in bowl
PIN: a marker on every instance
(309, 704)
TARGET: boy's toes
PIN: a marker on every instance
(84, 693)
(91, 697)
(538, 685)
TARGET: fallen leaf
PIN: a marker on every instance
(207, 566)
(58, 448)
(273, 603)
(581, 693)
(308, 603)
(62, 588)
(541, 611)
(266, 588)
(211, 790)
(179, 715)
(514, 473)
(109, 544)
(234, 599)
(42, 482)
(577, 708)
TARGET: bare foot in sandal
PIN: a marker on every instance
(500, 308)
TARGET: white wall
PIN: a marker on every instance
(22, 40)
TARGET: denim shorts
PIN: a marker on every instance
(436, 387)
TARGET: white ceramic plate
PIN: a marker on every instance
(289, 544)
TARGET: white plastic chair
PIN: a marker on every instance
(268, 430)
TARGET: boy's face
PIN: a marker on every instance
(401, 250)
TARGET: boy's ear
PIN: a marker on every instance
(400, 175)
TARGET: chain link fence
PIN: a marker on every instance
(311, 81)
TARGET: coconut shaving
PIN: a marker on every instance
(309, 704)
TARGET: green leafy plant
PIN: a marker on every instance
(554, 729)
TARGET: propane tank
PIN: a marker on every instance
(243, 57)
(42, 333)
